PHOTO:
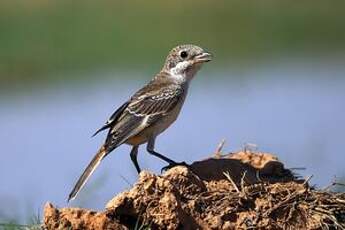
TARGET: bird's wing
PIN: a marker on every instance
(148, 105)
(155, 102)
(113, 118)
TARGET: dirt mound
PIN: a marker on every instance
(236, 191)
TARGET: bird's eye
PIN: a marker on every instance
(183, 54)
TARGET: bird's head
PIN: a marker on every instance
(185, 60)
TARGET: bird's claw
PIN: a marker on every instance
(171, 165)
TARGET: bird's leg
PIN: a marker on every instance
(150, 149)
(133, 154)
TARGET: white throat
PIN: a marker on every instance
(180, 73)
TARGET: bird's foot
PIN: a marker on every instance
(171, 165)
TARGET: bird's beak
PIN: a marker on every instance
(203, 57)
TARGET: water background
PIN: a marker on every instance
(296, 111)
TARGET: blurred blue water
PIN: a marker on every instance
(293, 111)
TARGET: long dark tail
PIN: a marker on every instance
(87, 172)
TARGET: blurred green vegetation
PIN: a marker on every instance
(40, 37)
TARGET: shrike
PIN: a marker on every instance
(150, 111)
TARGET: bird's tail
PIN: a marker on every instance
(102, 152)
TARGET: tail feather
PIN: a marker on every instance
(87, 172)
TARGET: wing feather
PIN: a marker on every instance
(141, 112)
(156, 102)
(113, 118)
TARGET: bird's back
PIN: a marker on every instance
(149, 112)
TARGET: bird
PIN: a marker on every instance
(150, 111)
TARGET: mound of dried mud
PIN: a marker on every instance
(237, 191)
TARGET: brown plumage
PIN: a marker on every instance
(150, 111)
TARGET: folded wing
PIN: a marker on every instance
(144, 108)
